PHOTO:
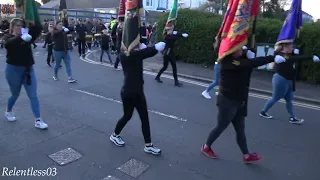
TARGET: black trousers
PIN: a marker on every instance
(229, 112)
(50, 54)
(116, 64)
(129, 102)
(166, 60)
(81, 46)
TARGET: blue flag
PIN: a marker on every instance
(292, 24)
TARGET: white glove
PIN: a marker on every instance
(24, 30)
(316, 59)
(250, 54)
(26, 37)
(142, 46)
(244, 48)
(279, 59)
(65, 29)
(160, 46)
(185, 35)
(296, 51)
(174, 32)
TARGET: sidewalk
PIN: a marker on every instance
(260, 80)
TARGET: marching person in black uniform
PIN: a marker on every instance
(81, 37)
(132, 93)
(49, 42)
(168, 55)
(232, 100)
(119, 40)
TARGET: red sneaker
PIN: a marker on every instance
(251, 158)
(208, 152)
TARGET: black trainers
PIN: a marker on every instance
(295, 120)
(265, 115)
(178, 84)
(158, 80)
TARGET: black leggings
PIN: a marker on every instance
(81, 46)
(229, 112)
(166, 60)
(129, 102)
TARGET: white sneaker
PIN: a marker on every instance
(10, 116)
(40, 124)
(89, 51)
(117, 140)
(152, 150)
(206, 94)
(55, 78)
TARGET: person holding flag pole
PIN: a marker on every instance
(171, 37)
(283, 80)
(236, 64)
(132, 93)
(19, 69)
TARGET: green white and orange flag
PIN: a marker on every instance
(172, 19)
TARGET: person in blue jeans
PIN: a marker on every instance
(283, 81)
(205, 93)
(61, 51)
(19, 69)
(105, 45)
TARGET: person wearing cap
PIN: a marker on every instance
(61, 51)
(132, 92)
(20, 70)
(168, 55)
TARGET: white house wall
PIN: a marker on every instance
(155, 4)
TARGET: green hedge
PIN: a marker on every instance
(202, 27)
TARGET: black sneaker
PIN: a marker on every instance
(295, 120)
(265, 115)
(158, 80)
(178, 84)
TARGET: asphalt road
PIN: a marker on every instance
(81, 116)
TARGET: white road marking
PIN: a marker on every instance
(305, 105)
(117, 101)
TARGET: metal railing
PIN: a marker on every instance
(51, 13)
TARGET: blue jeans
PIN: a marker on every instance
(16, 77)
(216, 78)
(108, 54)
(58, 56)
(281, 88)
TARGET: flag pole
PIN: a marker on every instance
(253, 33)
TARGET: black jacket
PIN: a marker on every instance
(60, 40)
(235, 75)
(49, 39)
(133, 69)
(170, 40)
(105, 42)
(19, 52)
(119, 36)
(81, 31)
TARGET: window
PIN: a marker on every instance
(148, 2)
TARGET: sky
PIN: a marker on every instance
(309, 6)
